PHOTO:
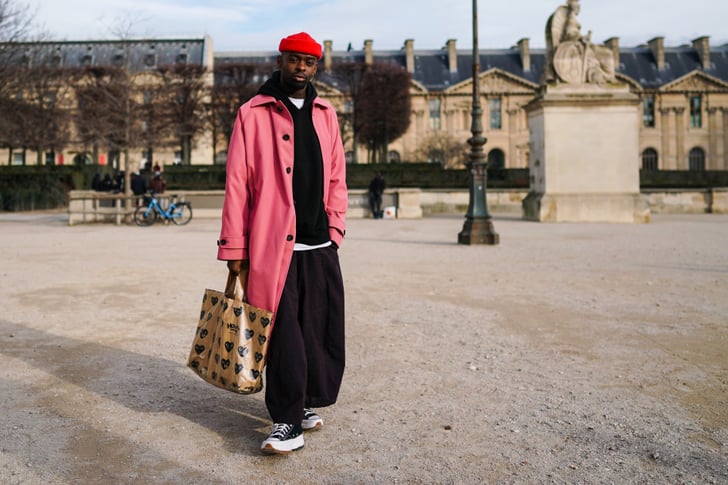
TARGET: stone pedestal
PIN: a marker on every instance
(584, 160)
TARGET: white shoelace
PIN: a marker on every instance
(280, 430)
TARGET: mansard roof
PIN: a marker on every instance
(639, 63)
(431, 67)
(135, 54)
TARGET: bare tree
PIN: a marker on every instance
(187, 92)
(46, 92)
(109, 112)
(34, 101)
(15, 20)
(235, 83)
(15, 25)
(350, 75)
(443, 148)
(383, 110)
(154, 114)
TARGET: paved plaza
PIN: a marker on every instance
(569, 353)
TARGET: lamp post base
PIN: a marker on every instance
(478, 231)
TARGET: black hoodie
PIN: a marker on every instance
(312, 223)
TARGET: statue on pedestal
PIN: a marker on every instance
(571, 58)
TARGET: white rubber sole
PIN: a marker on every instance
(312, 424)
(275, 447)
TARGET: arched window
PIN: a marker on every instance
(649, 159)
(696, 159)
(394, 156)
(496, 159)
(221, 158)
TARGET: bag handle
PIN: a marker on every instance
(233, 279)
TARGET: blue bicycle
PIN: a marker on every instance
(178, 212)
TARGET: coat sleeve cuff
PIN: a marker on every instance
(232, 248)
(336, 235)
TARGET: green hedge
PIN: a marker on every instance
(683, 179)
(38, 187)
(422, 175)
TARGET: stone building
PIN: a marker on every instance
(141, 58)
(684, 93)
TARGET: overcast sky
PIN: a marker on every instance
(259, 24)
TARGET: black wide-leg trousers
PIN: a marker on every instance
(306, 351)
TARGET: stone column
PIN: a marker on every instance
(420, 128)
(449, 123)
(680, 159)
(725, 138)
(668, 159)
(512, 158)
(714, 158)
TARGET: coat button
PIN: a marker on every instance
(279, 108)
(289, 238)
(221, 242)
(288, 169)
(286, 137)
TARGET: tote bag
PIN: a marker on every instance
(231, 340)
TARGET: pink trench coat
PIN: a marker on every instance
(258, 216)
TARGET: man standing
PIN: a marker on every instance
(376, 189)
(283, 221)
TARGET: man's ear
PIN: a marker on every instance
(279, 61)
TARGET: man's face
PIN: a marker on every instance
(297, 70)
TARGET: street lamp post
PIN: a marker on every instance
(478, 227)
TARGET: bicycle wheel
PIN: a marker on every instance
(182, 214)
(145, 216)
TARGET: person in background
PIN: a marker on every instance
(283, 221)
(138, 184)
(376, 189)
(157, 185)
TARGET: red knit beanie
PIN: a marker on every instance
(301, 42)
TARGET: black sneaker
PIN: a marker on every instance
(283, 439)
(311, 420)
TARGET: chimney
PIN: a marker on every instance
(702, 45)
(409, 49)
(613, 44)
(525, 50)
(327, 55)
(368, 54)
(657, 46)
(452, 55)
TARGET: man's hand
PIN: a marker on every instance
(236, 267)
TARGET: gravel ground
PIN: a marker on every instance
(570, 353)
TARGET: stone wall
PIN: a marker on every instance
(88, 206)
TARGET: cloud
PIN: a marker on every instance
(258, 24)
